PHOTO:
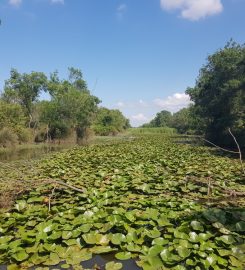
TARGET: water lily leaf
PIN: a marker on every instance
(163, 221)
(53, 259)
(88, 214)
(160, 241)
(101, 249)
(155, 233)
(205, 236)
(130, 216)
(20, 256)
(197, 226)
(13, 267)
(227, 239)
(211, 259)
(66, 234)
(5, 239)
(190, 262)
(113, 266)
(31, 223)
(235, 262)
(183, 252)
(193, 237)
(71, 242)
(55, 235)
(165, 255)
(89, 238)
(123, 255)
(21, 205)
(224, 252)
(118, 238)
(85, 228)
(65, 266)
(180, 235)
(155, 250)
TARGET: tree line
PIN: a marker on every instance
(71, 111)
(218, 99)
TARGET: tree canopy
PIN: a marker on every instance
(219, 94)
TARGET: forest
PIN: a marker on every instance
(70, 113)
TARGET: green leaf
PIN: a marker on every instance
(113, 266)
(20, 256)
(123, 255)
(227, 239)
(183, 252)
(197, 226)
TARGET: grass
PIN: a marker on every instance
(160, 130)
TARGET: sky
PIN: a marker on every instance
(138, 56)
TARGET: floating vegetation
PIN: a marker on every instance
(164, 205)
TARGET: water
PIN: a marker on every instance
(97, 262)
(34, 152)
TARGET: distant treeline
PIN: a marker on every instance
(71, 112)
(218, 100)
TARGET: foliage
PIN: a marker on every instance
(162, 119)
(109, 122)
(141, 199)
(8, 137)
(153, 130)
(24, 89)
(11, 115)
(219, 94)
(186, 121)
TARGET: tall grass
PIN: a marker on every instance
(157, 130)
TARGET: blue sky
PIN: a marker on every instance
(136, 55)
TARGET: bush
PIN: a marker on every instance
(105, 130)
(8, 137)
(24, 135)
(59, 130)
(84, 135)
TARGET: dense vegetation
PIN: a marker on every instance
(218, 100)
(71, 110)
(166, 205)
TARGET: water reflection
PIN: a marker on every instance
(101, 260)
(35, 152)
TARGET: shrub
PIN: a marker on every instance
(24, 135)
(8, 137)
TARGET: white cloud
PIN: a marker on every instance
(120, 104)
(173, 103)
(15, 3)
(58, 2)
(121, 9)
(143, 103)
(140, 117)
(193, 9)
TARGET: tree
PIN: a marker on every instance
(162, 119)
(71, 106)
(110, 122)
(24, 89)
(219, 94)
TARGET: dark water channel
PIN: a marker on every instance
(98, 262)
(35, 152)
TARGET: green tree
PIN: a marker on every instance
(110, 122)
(71, 106)
(219, 94)
(162, 119)
(24, 89)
